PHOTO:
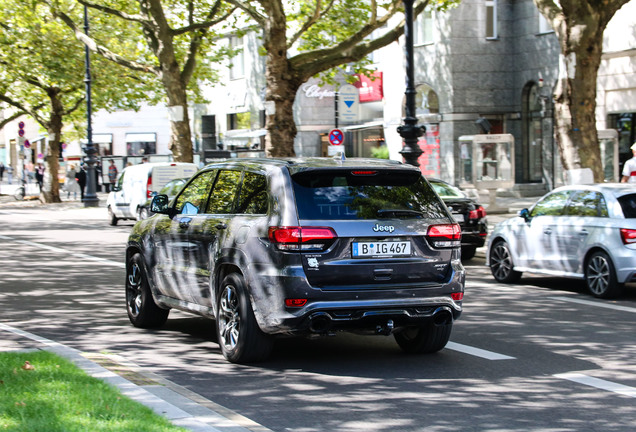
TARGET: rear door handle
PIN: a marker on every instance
(547, 231)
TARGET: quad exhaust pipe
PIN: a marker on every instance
(442, 316)
(322, 323)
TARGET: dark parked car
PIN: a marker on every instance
(584, 232)
(171, 189)
(470, 215)
(297, 247)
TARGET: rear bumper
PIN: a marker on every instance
(356, 309)
(376, 320)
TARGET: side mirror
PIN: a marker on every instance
(160, 204)
(525, 214)
(115, 188)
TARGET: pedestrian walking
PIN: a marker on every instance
(112, 172)
(71, 186)
(39, 175)
(81, 180)
(629, 169)
(1, 170)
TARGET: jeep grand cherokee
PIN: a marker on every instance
(300, 246)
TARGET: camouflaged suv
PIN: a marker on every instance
(270, 247)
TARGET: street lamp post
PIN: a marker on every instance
(90, 197)
(410, 131)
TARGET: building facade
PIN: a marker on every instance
(484, 67)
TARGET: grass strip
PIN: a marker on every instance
(42, 392)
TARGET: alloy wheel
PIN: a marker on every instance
(501, 263)
(598, 275)
(229, 318)
(133, 289)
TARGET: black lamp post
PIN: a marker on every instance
(410, 131)
(90, 197)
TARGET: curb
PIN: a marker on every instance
(179, 405)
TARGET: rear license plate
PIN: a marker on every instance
(371, 249)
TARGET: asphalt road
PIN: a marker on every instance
(538, 356)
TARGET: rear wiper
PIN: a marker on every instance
(398, 213)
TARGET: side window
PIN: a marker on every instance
(253, 197)
(193, 197)
(224, 192)
(586, 203)
(552, 205)
(628, 204)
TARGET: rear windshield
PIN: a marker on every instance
(628, 204)
(370, 194)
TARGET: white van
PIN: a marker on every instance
(137, 183)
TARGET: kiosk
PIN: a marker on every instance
(493, 165)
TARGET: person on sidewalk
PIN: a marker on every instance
(10, 174)
(71, 185)
(1, 170)
(112, 173)
(39, 175)
(629, 169)
(81, 180)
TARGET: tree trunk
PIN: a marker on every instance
(575, 107)
(51, 186)
(282, 85)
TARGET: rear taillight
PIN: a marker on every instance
(478, 213)
(442, 236)
(149, 187)
(295, 302)
(295, 238)
(628, 236)
(457, 296)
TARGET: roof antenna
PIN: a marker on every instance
(340, 156)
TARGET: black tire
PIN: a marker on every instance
(142, 309)
(501, 265)
(600, 276)
(425, 339)
(240, 338)
(468, 252)
(112, 217)
(19, 193)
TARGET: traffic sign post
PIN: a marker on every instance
(336, 137)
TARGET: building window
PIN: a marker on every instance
(426, 101)
(237, 63)
(491, 19)
(141, 144)
(239, 121)
(423, 29)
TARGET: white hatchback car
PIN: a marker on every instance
(586, 232)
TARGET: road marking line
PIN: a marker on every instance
(596, 303)
(65, 251)
(598, 383)
(477, 352)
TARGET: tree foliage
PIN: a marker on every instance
(173, 41)
(42, 74)
(579, 26)
(302, 39)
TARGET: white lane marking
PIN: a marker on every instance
(598, 383)
(66, 252)
(477, 352)
(596, 303)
